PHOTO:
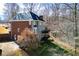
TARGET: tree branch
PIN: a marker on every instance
(68, 5)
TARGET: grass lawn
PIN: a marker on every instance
(49, 49)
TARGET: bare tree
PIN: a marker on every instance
(31, 6)
(11, 10)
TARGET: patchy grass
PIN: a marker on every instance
(49, 49)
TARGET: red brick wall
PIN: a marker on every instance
(19, 24)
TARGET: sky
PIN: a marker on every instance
(1, 8)
(1, 11)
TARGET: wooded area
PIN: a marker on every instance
(61, 18)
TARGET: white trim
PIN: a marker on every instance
(22, 20)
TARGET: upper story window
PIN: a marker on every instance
(35, 23)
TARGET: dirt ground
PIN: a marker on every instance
(11, 49)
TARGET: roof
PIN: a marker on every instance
(3, 30)
(22, 16)
(26, 16)
(34, 16)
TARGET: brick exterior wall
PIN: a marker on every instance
(18, 26)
